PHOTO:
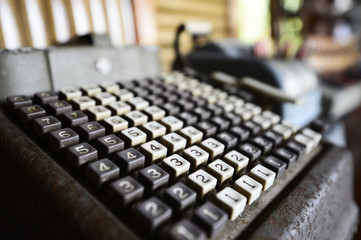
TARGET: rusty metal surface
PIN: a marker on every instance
(42, 200)
(321, 206)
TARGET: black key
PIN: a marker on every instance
(211, 219)
(29, 113)
(286, 156)
(263, 143)
(63, 138)
(273, 136)
(90, 131)
(45, 97)
(129, 160)
(101, 171)
(188, 118)
(140, 91)
(154, 100)
(252, 127)
(15, 102)
(153, 178)
(200, 102)
(169, 96)
(216, 110)
(81, 154)
(125, 191)
(250, 151)
(185, 105)
(151, 214)
(169, 87)
(296, 148)
(47, 124)
(319, 126)
(58, 107)
(128, 84)
(185, 94)
(109, 145)
(207, 128)
(221, 123)
(171, 108)
(229, 140)
(141, 82)
(234, 118)
(74, 118)
(275, 165)
(155, 90)
(185, 230)
(202, 113)
(240, 132)
(246, 95)
(180, 197)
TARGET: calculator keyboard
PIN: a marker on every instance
(182, 158)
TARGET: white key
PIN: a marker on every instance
(116, 123)
(154, 112)
(248, 187)
(221, 170)
(176, 166)
(232, 202)
(213, 147)
(154, 129)
(309, 143)
(192, 135)
(120, 107)
(263, 175)
(238, 102)
(172, 123)
(246, 114)
(84, 102)
(274, 117)
(253, 107)
(105, 98)
(134, 136)
(196, 156)
(123, 94)
(263, 121)
(136, 118)
(99, 112)
(312, 134)
(153, 151)
(290, 125)
(138, 103)
(219, 94)
(286, 132)
(227, 105)
(174, 142)
(91, 89)
(109, 86)
(237, 160)
(70, 93)
(202, 182)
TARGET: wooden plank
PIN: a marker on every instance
(191, 6)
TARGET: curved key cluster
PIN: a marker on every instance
(162, 146)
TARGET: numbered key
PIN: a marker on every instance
(109, 86)
(123, 94)
(138, 103)
(250, 151)
(104, 98)
(241, 133)
(192, 135)
(45, 97)
(262, 143)
(74, 118)
(47, 124)
(309, 143)
(136, 118)
(151, 214)
(284, 131)
(16, 102)
(296, 148)
(186, 230)
(237, 160)
(286, 156)
(172, 123)
(273, 136)
(29, 113)
(129, 160)
(188, 118)
(153, 151)
(154, 113)
(133, 136)
(119, 108)
(90, 89)
(202, 182)
(276, 165)
(231, 202)
(180, 197)
(81, 154)
(313, 135)
(69, 93)
(90, 131)
(63, 138)
(213, 147)
(196, 156)
(248, 187)
(58, 107)
(229, 140)
(153, 178)
(108, 145)
(263, 175)
(115, 124)
(125, 191)
(207, 128)
(221, 170)
(83, 103)
(101, 171)
(262, 121)
(154, 129)
(98, 113)
(211, 219)
(174, 142)
(252, 127)
(272, 116)
(176, 166)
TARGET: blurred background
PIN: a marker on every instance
(324, 33)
